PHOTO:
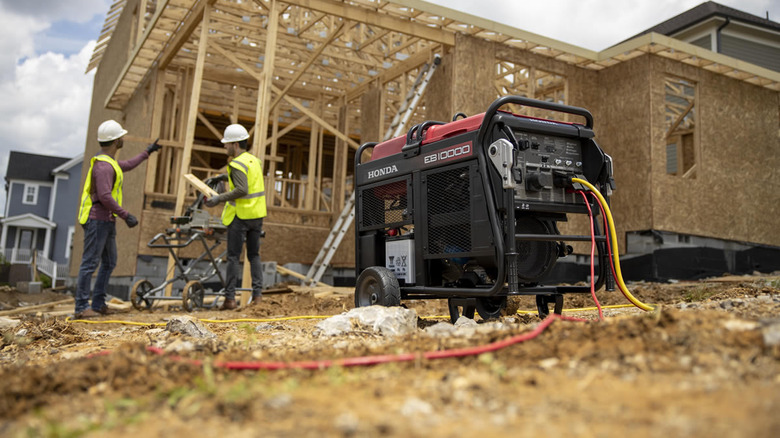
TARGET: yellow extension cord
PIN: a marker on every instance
(613, 239)
(210, 321)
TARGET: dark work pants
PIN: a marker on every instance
(99, 247)
(238, 232)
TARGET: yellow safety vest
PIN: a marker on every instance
(252, 205)
(86, 196)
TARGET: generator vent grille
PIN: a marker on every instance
(449, 211)
(384, 205)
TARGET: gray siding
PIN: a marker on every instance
(65, 209)
(704, 42)
(755, 53)
(10, 237)
(16, 207)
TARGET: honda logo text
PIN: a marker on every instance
(383, 171)
(448, 154)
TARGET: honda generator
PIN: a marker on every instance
(468, 210)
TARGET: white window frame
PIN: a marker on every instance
(36, 188)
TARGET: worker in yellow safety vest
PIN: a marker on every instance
(243, 212)
(101, 204)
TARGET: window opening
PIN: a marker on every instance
(522, 80)
(680, 123)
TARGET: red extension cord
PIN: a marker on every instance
(378, 359)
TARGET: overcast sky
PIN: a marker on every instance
(47, 44)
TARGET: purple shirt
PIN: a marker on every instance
(103, 177)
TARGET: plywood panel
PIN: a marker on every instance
(438, 94)
(371, 115)
(621, 122)
(472, 88)
(736, 192)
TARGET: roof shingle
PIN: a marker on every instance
(32, 167)
(704, 11)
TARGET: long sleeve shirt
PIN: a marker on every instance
(103, 177)
(240, 187)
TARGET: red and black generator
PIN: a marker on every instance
(469, 210)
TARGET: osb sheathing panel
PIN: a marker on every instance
(370, 115)
(622, 125)
(290, 244)
(474, 71)
(438, 94)
(293, 237)
(299, 219)
(114, 59)
(735, 194)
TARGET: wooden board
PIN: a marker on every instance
(37, 307)
(200, 185)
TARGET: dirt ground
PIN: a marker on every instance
(705, 363)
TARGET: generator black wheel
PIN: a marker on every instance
(192, 295)
(490, 308)
(377, 285)
(138, 294)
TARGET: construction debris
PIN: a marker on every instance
(189, 326)
(389, 321)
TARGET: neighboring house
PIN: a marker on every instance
(728, 31)
(40, 210)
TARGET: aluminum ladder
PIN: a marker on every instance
(347, 216)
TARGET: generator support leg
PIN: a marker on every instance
(468, 305)
(543, 301)
(511, 244)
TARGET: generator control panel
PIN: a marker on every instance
(543, 166)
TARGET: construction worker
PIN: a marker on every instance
(101, 203)
(243, 212)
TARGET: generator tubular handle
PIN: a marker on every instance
(412, 143)
(362, 148)
(501, 101)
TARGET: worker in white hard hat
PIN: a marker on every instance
(101, 204)
(243, 212)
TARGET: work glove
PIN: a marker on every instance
(154, 147)
(131, 221)
(215, 179)
(212, 201)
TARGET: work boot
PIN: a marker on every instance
(105, 311)
(255, 300)
(88, 313)
(228, 305)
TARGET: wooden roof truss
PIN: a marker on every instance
(374, 36)
(326, 54)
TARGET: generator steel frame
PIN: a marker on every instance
(412, 165)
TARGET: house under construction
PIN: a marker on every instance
(693, 130)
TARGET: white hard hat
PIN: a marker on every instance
(110, 130)
(235, 133)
